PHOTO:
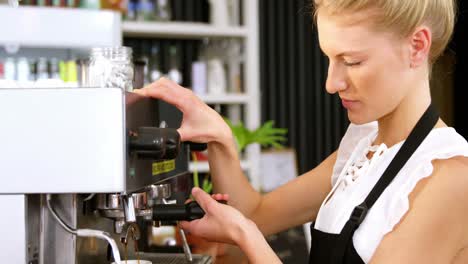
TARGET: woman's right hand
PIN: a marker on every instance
(221, 223)
(200, 123)
(203, 246)
(224, 224)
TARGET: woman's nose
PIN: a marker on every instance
(336, 80)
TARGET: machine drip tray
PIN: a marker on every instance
(174, 258)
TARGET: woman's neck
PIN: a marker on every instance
(397, 125)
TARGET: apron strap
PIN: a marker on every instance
(416, 137)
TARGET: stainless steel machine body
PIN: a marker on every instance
(74, 143)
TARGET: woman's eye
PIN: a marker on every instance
(350, 64)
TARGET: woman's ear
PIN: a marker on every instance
(420, 46)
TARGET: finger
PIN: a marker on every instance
(167, 91)
(187, 226)
(140, 91)
(194, 227)
(203, 199)
(183, 134)
(218, 196)
(221, 196)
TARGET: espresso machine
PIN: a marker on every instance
(86, 174)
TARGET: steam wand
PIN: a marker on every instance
(85, 232)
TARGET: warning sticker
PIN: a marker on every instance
(163, 167)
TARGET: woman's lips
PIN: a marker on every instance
(349, 104)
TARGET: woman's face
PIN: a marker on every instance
(369, 70)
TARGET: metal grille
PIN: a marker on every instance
(169, 258)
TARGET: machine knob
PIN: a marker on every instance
(155, 143)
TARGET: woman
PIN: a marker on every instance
(381, 53)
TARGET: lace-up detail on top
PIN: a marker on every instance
(360, 167)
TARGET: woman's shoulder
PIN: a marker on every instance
(448, 184)
(452, 171)
(438, 211)
(447, 151)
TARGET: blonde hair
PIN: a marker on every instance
(402, 17)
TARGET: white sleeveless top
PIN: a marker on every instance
(354, 176)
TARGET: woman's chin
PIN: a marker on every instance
(358, 119)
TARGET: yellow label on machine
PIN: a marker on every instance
(163, 167)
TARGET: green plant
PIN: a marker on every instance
(266, 135)
(207, 185)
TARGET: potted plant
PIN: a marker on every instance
(267, 135)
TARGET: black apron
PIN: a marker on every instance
(338, 248)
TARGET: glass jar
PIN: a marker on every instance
(111, 68)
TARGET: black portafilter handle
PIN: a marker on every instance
(178, 212)
(154, 143)
(196, 146)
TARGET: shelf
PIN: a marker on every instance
(203, 167)
(47, 27)
(225, 98)
(180, 30)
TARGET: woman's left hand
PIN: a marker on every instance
(221, 223)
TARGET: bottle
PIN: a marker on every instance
(71, 73)
(83, 72)
(32, 70)
(145, 57)
(117, 5)
(145, 10)
(59, 3)
(163, 10)
(63, 71)
(42, 71)
(111, 68)
(155, 64)
(10, 69)
(132, 8)
(234, 12)
(2, 72)
(22, 70)
(219, 13)
(199, 74)
(174, 67)
(54, 69)
(90, 4)
(73, 3)
(216, 77)
(138, 76)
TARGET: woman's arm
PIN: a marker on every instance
(434, 230)
(299, 200)
(224, 224)
(255, 247)
(295, 203)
